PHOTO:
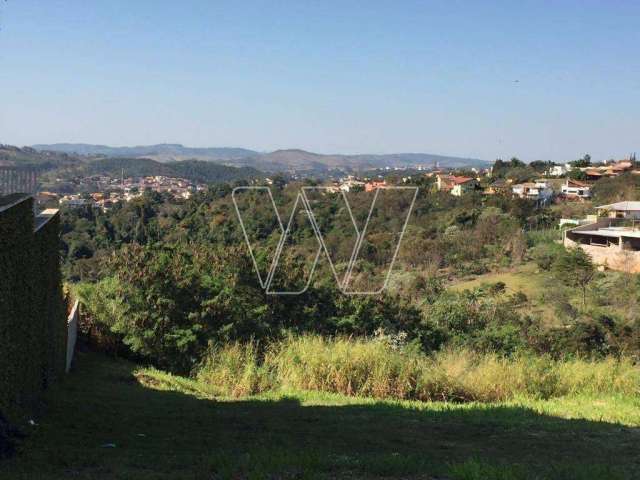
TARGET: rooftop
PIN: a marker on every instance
(611, 232)
(621, 206)
(43, 217)
(455, 180)
(576, 183)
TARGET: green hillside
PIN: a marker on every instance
(196, 170)
(44, 160)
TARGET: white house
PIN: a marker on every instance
(456, 186)
(352, 185)
(559, 170)
(539, 190)
(576, 189)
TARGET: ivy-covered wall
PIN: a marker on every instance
(32, 308)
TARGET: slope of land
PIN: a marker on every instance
(14, 156)
(526, 278)
(70, 165)
(111, 419)
(195, 170)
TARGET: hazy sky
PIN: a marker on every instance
(540, 80)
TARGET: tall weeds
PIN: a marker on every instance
(376, 368)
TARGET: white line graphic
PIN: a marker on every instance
(284, 234)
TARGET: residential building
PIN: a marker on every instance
(332, 187)
(613, 238)
(371, 186)
(624, 210)
(610, 169)
(576, 189)
(47, 197)
(455, 185)
(558, 170)
(540, 190)
(352, 186)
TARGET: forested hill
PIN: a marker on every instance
(70, 165)
(15, 156)
(196, 170)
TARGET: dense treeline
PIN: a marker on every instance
(195, 170)
(437, 234)
(168, 278)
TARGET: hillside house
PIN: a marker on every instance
(624, 210)
(558, 170)
(371, 186)
(616, 168)
(576, 190)
(352, 186)
(455, 185)
(613, 240)
(539, 191)
(611, 169)
(593, 174)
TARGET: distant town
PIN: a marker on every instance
(113, 191)
(568, 182)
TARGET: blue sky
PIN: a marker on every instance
(327, 76)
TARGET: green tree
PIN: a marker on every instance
(582, 162)
(575, 269)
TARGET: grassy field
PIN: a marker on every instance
(525, 278)
(111, 419)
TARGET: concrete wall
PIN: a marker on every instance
(611, 257)
(32, 308)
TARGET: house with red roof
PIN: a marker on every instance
(456, 185)
(576, 190)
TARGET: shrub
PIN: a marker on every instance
(234, 370)
(546, 254)
(390, 369)
(542, 237)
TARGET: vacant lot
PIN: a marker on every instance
(526, 278)
(110, 419)
(523, 278)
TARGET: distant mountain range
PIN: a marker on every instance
(163, 152)
(69, 165)
(279, 160)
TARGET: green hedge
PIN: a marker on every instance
(32, 308)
